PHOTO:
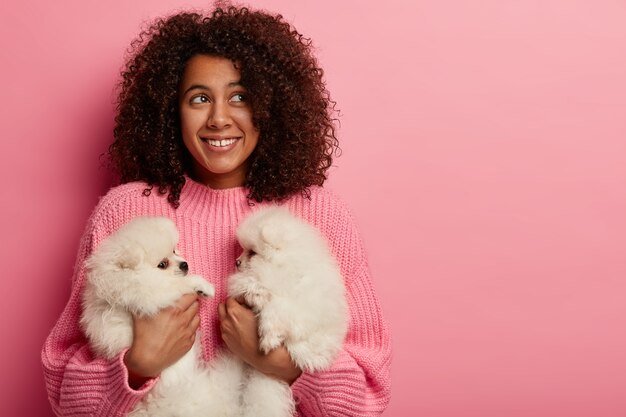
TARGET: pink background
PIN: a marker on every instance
(484, 155)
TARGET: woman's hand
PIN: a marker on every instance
(238, 325)
(162, 339)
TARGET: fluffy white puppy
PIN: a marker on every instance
(289, 278)
(137, 271)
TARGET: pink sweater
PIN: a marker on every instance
(358, 382)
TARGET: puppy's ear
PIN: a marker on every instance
(272, 236)
(129, 257)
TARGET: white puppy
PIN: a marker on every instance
(289, 278)
(137, 271)
(286, 274)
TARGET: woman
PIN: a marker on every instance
(217, 115)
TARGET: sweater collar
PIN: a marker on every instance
(198, 199)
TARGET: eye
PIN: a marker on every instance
(199, 99)
(239, 97)
(163, 264)
(251, 253)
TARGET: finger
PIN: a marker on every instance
(191, 312)
(221, 311)
(194, 323)
(194, 307)
(231, 303)
(186, 301)
(233, 309)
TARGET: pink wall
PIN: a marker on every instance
(484, 155)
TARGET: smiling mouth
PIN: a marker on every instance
(220, 143)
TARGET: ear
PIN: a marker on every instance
(272, 236)
(129, 257)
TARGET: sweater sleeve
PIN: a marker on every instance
(358, 382)
(79, 384)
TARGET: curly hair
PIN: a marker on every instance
(290, 104)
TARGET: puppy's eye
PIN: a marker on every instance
(163, 264)
(251, 253)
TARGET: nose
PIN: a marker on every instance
(184, 267)
(237, 263)
(219, 116)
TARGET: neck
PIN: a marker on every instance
(233, 179)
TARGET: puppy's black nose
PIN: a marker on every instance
(237, 263)
(184, 266)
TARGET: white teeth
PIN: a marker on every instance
(221, 143)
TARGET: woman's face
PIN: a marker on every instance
(216, 121)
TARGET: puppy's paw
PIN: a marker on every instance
(269, 342)
(202, 293)
(206, 291)
(202, 287)
(257, 300)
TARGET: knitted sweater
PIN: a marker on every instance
(357, 384)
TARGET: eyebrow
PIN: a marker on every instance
(204, 87)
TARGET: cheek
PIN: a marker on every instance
(243, 117)
(190, 122)
(189, 126)
(189, 142)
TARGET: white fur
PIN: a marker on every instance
(293, 284)
(123, 278)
